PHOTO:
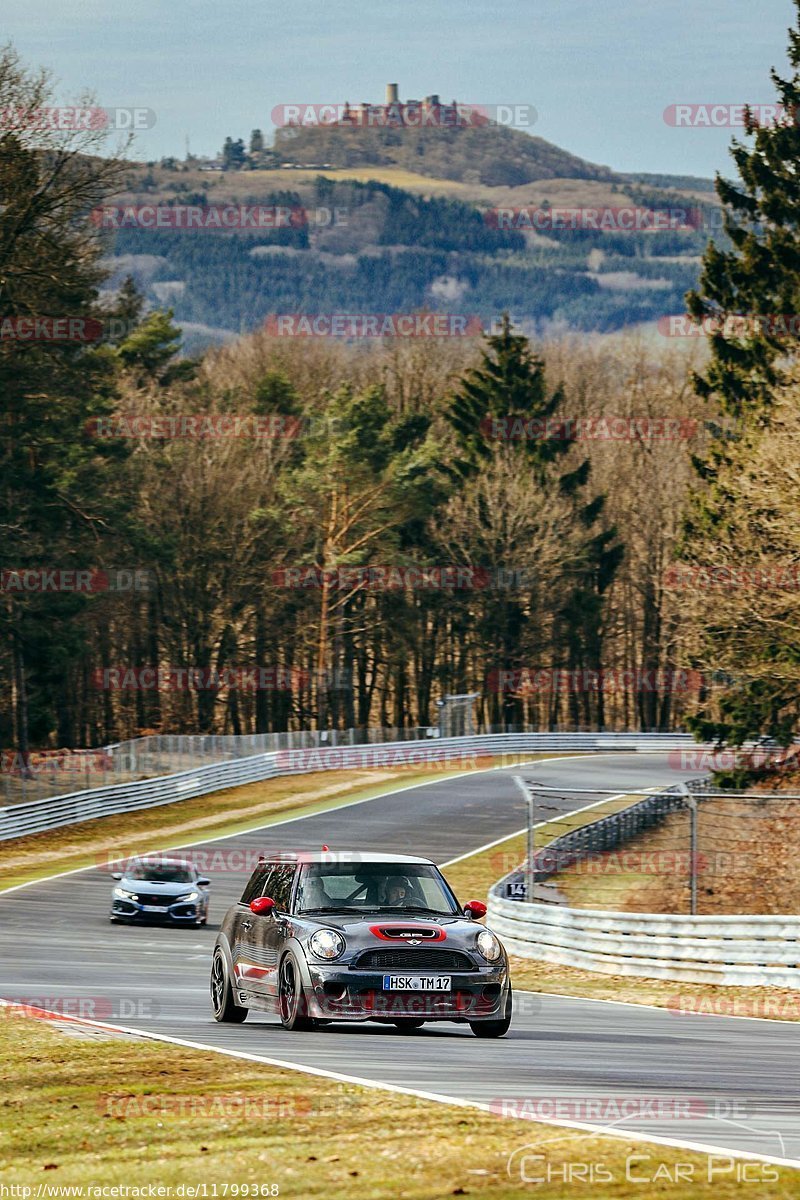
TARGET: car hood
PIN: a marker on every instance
(152, 887)
(359, 927)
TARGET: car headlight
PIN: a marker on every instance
(122, 894)
(489, 946)
(325, 943)
(188, 896)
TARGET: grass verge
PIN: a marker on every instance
(120, 1112)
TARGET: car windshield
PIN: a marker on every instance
(374, 887)
(162, 873)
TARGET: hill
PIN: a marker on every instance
(491, 155)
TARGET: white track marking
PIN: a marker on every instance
(434, 1097)
(567, 813)
(305, 816)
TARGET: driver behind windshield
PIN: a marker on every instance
(397, 891)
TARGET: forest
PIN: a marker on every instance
(413, 252)
(319, 532)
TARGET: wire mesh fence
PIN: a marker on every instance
(46, 773)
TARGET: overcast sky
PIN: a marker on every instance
(599, 72)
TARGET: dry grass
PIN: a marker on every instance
(235, 186)
(121, 1112)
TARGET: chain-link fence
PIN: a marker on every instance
(45, 773)
(679, 849)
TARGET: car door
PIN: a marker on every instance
(247, 971)
(270, 932)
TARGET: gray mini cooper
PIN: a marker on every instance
(352, 936)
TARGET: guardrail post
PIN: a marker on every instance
(530, 862)
(691, 803)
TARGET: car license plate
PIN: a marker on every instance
(416, 983)
(154, 908)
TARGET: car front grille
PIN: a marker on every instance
(408, 959)
(155, 899)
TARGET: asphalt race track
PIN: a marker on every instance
(737, 1078)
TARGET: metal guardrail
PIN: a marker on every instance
(17, 820)
(57, 773)
(754, 951)
(46, 773)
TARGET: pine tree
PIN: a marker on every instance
(752, 361)
(497, 407)
(60, 495)
(759, 276)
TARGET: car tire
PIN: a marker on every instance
(494, 1029)
(222, 1001)
(114, 920)
(408, 1026)
(292, 1000)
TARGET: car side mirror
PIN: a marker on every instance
(116, 875)
(204, 882)
(263, 906)
(475, 909)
